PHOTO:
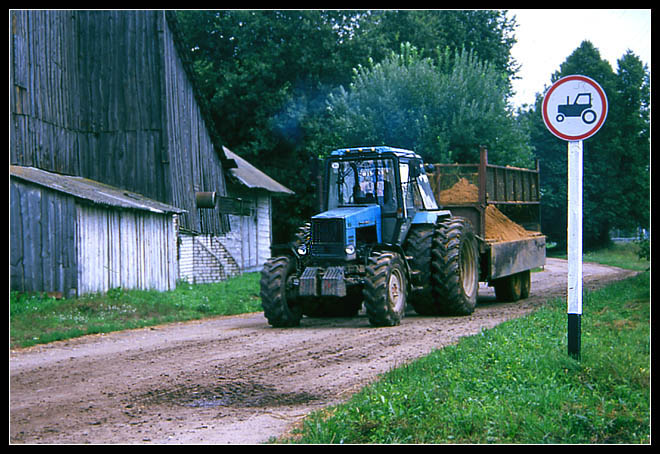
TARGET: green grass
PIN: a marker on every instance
(36, 319)
(515, 383)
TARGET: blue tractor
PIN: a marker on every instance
(381, 241)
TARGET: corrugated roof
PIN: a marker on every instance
(251, 177)
(91, 190)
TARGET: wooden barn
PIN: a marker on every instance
(106, 97)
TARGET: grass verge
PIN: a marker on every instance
(37, 319)
(514, 383)
(622, 255)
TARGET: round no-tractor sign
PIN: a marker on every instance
(574, 108)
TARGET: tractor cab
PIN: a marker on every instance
(373, 195)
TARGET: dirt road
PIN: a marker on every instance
(231, 379)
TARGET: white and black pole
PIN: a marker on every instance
(575, 168)
(574, 108)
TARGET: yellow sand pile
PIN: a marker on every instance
(498, 226)
(462, 192)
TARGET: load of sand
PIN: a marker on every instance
(498, 226)
(461, 192)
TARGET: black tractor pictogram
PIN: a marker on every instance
(581, 107)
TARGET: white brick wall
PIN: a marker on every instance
(203, 259)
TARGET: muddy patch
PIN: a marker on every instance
(227, 393)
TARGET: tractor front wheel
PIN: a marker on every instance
(281, 308)
(385, 289)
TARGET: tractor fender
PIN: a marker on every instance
(285, 249)
(430, 217)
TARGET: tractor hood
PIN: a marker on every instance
(354, 217)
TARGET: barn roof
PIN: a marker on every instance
(251, 177)
(93, 191)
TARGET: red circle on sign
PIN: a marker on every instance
(598, 124)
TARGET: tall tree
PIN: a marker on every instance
(443, 110)
(488, 34)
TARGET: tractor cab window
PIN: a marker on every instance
(416, 188)
(362, 182)
(410, 195)
(425, 191)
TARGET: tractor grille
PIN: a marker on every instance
(327, 237)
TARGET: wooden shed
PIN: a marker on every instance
(250, 236)
(74, 236)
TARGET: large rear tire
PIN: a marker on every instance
(281, 308)
(418, 248)
(385, 289)
(454, 267)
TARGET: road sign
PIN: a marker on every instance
(574, 108)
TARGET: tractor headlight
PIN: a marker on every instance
(302, 249)
(350, 249)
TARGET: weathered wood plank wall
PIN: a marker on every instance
(61, 244)
(250, 237)
(86, 97)
(104, 95)
(194, 163)
(42, 240)
(128, 249)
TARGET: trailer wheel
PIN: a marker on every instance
(385, 289)
(512, 288)
(280, 308)
(454, 267)
(525, 284)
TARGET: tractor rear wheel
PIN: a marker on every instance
(418, 249)
(281, 307)
(454, 267)
(385, 289)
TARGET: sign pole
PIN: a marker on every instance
(574, 109)
(575, 167)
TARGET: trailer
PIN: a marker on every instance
(503, 205)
